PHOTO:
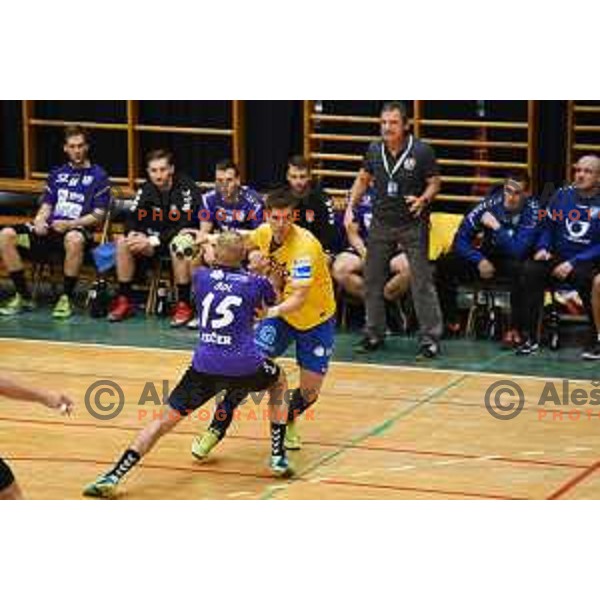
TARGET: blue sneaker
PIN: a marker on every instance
(280, 467)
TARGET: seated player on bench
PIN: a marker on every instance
(73, 205)
(493, 240)
(568, 250)
(226, 358)
(230, 206)
(163, 206)
(348, 267)
(314, 207)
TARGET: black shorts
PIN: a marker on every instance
(196, 389)
(52, 245)
(353, 251)
(6, 476)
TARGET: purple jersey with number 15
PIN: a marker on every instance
(226, 300)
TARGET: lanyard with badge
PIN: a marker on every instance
(392, 186)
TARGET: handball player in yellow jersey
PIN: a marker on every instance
(305, 314)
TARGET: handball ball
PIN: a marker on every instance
(182, 246)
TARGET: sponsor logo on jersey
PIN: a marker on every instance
(577, 229)
(302, 269)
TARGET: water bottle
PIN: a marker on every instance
(98, 299)
(162, 299)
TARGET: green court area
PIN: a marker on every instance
(459, 354)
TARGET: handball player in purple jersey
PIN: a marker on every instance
(226, 359)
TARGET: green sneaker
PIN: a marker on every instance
(280, 467)
(15, 305)
(292, 439)
(201, 447)
(63, 309)
(104, 487)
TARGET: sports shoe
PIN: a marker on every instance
(512, 338)
(369, 344)
(453, 329)
(201, 447)
(104, 487)
(527, 348)
(592, 352)
(193, 324)
(120, 309)
(428, 349)
(62, 309)
(292, 439)
(16, 305)
(182, 314)
(280, 466)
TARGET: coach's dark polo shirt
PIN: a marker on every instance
(410, 178)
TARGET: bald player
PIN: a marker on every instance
(9, 489)
(568, 251)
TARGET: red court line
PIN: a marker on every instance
(571, 483)
(186, 469)
(404, 488)
(144, 465)
(342, 444)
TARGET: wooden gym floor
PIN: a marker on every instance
(380, 432)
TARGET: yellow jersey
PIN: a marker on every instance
(304, 264)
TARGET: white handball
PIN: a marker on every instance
(183, 246)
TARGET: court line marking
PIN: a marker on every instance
(464, 375)
(411, 451)
(352, 364)
(189, 469)
(383, 486)
(378, 429)
(572, 483)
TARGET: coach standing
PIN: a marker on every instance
(405, 176)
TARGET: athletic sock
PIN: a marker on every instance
(69, 285)
(184, 292)
(277, 438)
(18, 279)
(298, 404)
(125, 288)
(129, 459)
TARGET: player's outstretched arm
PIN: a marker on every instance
(294, 302)
(17, 391)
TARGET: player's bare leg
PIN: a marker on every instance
(105, 486)
(399, 283)
(184, 312)
(74, 244)
(9, 255)
(303, 398)
(8, 250)
(278, 415)
(348, 273)
(122, 306)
